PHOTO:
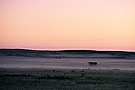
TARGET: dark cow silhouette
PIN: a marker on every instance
(92, 63)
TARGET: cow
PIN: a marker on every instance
(92, 63)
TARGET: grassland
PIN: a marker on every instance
(64, 79)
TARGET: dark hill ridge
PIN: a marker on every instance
(68, 53)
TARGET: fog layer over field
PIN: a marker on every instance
(67, 59)
(29, 62)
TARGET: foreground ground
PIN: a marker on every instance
(63, 79)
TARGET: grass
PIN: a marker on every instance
(62, 79)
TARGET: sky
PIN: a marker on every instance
(68, 24)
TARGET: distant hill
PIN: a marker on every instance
(68, 53)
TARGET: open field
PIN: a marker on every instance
(66, 70)
(66, 79)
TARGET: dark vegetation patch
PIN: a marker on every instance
(39, 79)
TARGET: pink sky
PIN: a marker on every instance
(68, 24)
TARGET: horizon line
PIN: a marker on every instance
(68, 49)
